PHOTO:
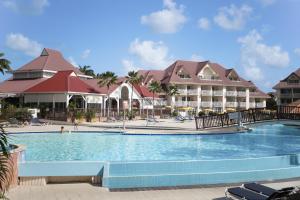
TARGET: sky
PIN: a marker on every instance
(259, 38)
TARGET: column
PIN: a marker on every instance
(198, 99)
(211, 99)
(118, 105)
(224, 99)
(172, 103)
(186, 96)
(247, 99)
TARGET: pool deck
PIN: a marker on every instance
(164, 126)
(88, 191)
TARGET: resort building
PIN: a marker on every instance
(206, 86)
(288, 89)
(51, 83)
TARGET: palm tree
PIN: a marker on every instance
(172, 91)
(87, 70)
(107, 79)
(5, 164)
(154, 87)
(133, 78)
(4, 64)
(6, 171)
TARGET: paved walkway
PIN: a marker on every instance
(86, 191)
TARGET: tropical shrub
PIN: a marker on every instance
(201, 113)
(89, 115)
(78, 114)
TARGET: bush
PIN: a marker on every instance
(174, 113)
(22, 114)
(201, 113)
(78, 114)
(212, 113)
(89, 115)
(130, 115)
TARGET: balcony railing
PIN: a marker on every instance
(242, 104)
(231, 93)
(186, 103)
(206, 104)
(218, 92)
(217, 104)
(192, 91)
(182, 91)
(252, 104)
(260, 105)
(206, 92)
(241, 93)
(231, 104)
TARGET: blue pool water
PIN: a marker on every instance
(264, 140)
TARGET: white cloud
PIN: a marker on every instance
(72, 61)
(19, 42)
(169, 20)
(196, 57)
(153, 54)
(267, 2)
(297, 51)
(129, 65)
(233, 17)
(255, 55)
(204, 23)
(31, 7)
(85, 53)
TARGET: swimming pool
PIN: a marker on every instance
(265, 140)
(269, 152)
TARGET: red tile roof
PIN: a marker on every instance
(283, 83)
(18, 86)
(49, 60)
(144, 92)
(63, 81)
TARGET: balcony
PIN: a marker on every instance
(182, 91)
(186, 103)
(231, 93)
(217, 104)
(206, 92)
(252, 104)
(231, 104)
(192, 91)
(206, 104)
(241, 93)
(242, 104)
(260, 105)
(218, 92)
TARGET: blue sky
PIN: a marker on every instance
(259, 38)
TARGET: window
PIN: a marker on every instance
(286, 91)
(184, 76)
(293, 79)
(296, 90)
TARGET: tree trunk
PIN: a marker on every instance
(108, 109)
(153, 107)
(131, 102)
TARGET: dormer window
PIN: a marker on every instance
(207, 73)
(182, 74)
(293, 79)
(232, 75)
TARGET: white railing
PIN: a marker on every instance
(241, 93)
(217, 104)
(182, 91)
(192, 91)
(231, 104)
(252, 104)
(186, 103)
(242, 104)
(209, 77)
(218, 93)
(260, 105)
(206, 104)
(231, 93)
(206, 92)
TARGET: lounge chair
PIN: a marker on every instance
(152, 119)
(179, 118)
(13, 122)
(37, 122)
(257, 191)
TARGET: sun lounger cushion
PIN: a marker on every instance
(245, 194)
(260, 189)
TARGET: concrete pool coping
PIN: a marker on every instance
(151, 130)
